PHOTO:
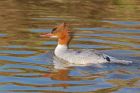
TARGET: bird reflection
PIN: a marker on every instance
(60, 70)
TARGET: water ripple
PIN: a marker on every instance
(129, 23)
(112, 29)
(16, 52)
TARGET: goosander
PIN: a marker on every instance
(81, 56)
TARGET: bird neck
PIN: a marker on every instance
(64, 40)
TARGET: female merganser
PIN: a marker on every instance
(82, 56)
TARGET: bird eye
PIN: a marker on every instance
(53, 29)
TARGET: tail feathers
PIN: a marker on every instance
(118, 61)
(121, 61)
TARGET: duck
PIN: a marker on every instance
(77, 56)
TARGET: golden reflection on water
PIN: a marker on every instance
(109, 25)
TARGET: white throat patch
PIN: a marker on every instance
(59, 49)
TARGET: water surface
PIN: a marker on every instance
(27, 64)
